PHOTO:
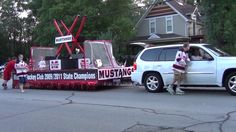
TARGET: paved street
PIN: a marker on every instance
(121, 109)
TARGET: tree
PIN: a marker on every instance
(13, 27)
(220, 22)
(119, 22)
(3, 43)
(104, 17)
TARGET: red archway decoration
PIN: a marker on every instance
(75, 42)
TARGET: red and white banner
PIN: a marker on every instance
(63, 75)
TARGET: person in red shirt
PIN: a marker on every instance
(10, 66)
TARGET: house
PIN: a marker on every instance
(169, 21)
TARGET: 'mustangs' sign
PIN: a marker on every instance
(63, 39)
(104, 74)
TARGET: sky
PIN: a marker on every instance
(23, 14)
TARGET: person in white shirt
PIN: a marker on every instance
(42, 64)
(21, 71)
(179, 67)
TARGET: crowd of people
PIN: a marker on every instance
(20, 67)
(17, 66)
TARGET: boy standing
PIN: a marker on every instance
(21, 71)
(179, 68)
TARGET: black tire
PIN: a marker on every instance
(230, 83)
(153, 83)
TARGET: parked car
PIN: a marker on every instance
(153, 68)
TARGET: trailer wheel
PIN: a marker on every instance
(153, 83)
(230, 83)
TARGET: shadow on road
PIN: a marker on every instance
(207, 91)
(190, 91)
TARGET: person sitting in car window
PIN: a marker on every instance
(197, 55)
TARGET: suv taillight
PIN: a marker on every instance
(135, 66)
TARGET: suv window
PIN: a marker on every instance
(168, 54)
(199, 54)
(150, 54)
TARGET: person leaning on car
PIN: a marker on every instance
(179, 68)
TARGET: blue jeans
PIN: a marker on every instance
(22, 80)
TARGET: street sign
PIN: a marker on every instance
(63, 39)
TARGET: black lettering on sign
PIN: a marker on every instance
(125, 72)
(114, 73)
(107, 73)
(129, 71)
(101, 74)
(120, 73)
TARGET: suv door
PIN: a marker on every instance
(165, 63)
(201, 72)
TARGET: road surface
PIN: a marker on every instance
(120, 109)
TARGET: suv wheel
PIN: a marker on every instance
(230, 83)
(153, 82)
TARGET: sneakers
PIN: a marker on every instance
(170, 90)
(179, 91)
(4, 86)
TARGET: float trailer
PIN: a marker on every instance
(85, 68)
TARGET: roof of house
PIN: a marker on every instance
(185, 9)
(160, 10)
(170, 7)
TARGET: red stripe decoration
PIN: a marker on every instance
(178, 67)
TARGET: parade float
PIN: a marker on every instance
(88, 64)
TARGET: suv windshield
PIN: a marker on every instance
(216, 51)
